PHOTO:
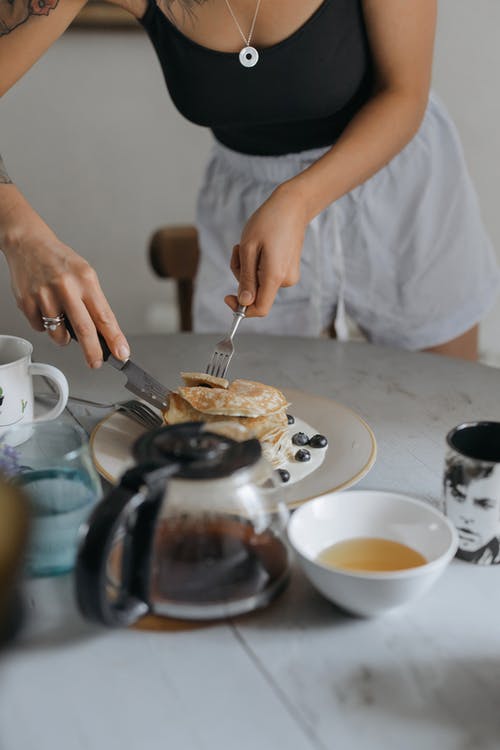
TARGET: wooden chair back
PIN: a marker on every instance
(174, 254)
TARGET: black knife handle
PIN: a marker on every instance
(106, 351)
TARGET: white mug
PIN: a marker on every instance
(16, 383)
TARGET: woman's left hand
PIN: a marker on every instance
(268, 255)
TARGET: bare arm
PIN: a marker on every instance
(47, 276)
(27, 30)
(401, 34)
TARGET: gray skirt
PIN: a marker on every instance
(405, 254)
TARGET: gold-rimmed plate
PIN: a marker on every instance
(350, 454)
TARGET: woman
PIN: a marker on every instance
(335, 181)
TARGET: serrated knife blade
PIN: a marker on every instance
(139, 382)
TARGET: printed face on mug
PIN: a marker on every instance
(463, 505)
(16, 383)
(471, 490)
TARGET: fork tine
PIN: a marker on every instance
(225, 364)
(141, 413)
(142, 407)
(148, 414)
(213, 365)
(210, 367)
(220, 365)
(133, 415)
(146, 418)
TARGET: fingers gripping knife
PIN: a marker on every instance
(139, 382)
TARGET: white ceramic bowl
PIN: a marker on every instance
(335, 516)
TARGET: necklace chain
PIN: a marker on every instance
(247, 41)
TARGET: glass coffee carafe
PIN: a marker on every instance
(195, 531)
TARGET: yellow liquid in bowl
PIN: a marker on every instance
(370, 554)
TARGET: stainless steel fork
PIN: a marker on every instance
(137, 410)
(224, 349)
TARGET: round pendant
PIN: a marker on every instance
(249, 57)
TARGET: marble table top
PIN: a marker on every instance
(300, 674)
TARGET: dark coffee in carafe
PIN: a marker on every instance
(220, 559)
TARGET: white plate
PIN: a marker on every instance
(350, 454)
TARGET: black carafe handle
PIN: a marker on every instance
(130, 509)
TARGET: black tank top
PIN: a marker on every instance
(301, 94)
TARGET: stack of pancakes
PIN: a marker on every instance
(243, 409)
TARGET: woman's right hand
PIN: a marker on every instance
(49, 278)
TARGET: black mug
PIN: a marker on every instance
(471, 490)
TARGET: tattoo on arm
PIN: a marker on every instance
(15, 12)
(186, 9)
(4, 177)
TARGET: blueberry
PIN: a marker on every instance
(303, 455)
(291, 420)
(300, 438)
(318, 441)
(284, 474)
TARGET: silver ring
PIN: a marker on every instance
(50, 324)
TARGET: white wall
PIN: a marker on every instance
(466, 76)
(92, 139)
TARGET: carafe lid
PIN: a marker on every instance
(197, 452)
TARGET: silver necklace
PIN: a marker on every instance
(248, 55)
